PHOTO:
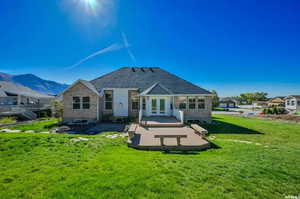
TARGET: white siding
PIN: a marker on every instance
(289, 102)
(120, 102)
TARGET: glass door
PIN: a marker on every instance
(158, 106)
(154, 106)
(162, 106)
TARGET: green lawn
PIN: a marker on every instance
(52, 166)
(7, 120)
(43, 125)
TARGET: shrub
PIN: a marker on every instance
(274, 111)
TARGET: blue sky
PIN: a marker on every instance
(229, 46)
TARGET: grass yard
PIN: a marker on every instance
(43, 125)
(255, 159)
(7, 120)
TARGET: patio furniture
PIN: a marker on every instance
(162, 137)
(199, 130)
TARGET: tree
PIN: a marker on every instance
(215, 99)
(250, 97)
(57, 108)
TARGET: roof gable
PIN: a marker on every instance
(83, 82)
(157, 89)
(144, 78)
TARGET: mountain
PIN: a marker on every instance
(35, 83)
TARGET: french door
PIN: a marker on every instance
(158, 106)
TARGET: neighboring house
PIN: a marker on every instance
(260, 104)
(136, 92)
(277, 101)
(227, 103)
(15, 98)
(292, 103)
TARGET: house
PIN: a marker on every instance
(132, 92)
(16, 99)
(277, 101)
(227, 103)
(259, 104)
(292, 103)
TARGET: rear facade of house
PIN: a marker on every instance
(136, 93)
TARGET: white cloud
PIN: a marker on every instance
(113, 47)
(126, 44)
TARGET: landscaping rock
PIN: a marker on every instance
(62, 129)
(112, 136)
(124, 135)
(79, 139)
(45, 132)
(10, 131)
(29, 131)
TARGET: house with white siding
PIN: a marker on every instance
(292, 103)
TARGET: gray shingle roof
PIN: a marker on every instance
(293, 96)
(9, 87)
(144, 78)
(157, 89)
(2, 93)
(89, 85)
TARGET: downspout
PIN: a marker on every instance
(98, 108)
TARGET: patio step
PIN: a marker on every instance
(160, 122)
(173, 124)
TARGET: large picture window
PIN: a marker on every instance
(86, 102)
(108, 101)
(201, 103)
(182, 101)
(76, 102)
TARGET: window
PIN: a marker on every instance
(181, 102)
(86, 102)
(76, 102)
(108, 101)
(192, 103)
(288, 103)
(201, 103)
(298, 103)
(292, 102)
(135, 103)
(162, 106)
(144, 104)
(154, 106)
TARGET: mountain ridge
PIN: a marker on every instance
(35, 83)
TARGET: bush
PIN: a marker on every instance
(274, 111)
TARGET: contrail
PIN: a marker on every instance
(112, 47)
(126, 45)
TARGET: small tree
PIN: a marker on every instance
(215, 99)
(57, 108)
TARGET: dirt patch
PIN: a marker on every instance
(287, 117)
